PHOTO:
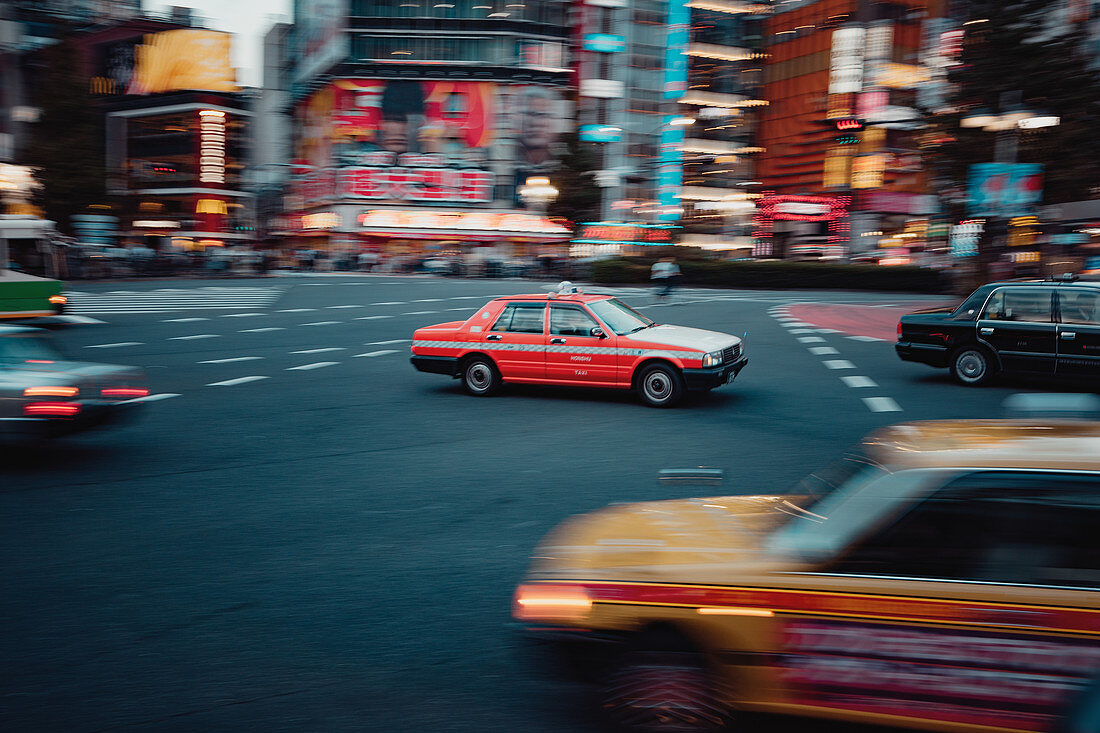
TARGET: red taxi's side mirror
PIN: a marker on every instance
(598, 332)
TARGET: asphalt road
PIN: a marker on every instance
(332, 545)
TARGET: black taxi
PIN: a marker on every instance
(1026, 327)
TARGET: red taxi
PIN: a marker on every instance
(577, 339)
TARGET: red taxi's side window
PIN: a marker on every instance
(993, 527)
(521, 318)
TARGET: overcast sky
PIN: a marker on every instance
(248, 20)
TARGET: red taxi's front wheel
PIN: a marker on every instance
(660, 385)
(480, 376)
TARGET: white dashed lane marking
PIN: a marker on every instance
(115, 346)
(195, 337)
(238, 380)
(322, 323)
(823, 351)
(385, 343)
(230, 360)
(371, 318)
(881, 404)
(810, 340)
(241, 315)
(334, 307)
(418, 313)
(838, 364)
(296, 310)
(261, 330)
(319, 351)
(428, 300)
(155, 397)
(380, 352)
(314, 365)
(184, 320)
(390, 302)
(859, 382)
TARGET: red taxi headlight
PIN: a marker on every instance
(125, 392)
(53, 391)
(545, 602)
(51, 409)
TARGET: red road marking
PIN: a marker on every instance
(857, 320)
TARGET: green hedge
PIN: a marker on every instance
(779, 275)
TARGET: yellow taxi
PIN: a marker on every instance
(942, 576)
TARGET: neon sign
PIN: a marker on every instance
(211, 146)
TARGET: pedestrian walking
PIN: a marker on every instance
(663, 275)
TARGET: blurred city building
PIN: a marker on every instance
(669, 91)
(173, 121)
(841, 159)
(418, 125)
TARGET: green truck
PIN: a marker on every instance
(26, 247)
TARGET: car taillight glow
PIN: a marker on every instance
(58, 299)
(51, 409)
(545, 602)
(899, 329)
(51, 392)
(127, 392)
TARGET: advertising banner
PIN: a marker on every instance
(846, 61)
(431, 141)
(182, 60)
(604, 43)
(1004, 189)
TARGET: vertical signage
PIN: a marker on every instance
(211, 146)
(676, 60)
(846, 61)
(670, 172)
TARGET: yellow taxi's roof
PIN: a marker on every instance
(1064, 444)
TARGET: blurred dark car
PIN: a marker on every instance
(943, 576)
(45, 395)
(1048, 328)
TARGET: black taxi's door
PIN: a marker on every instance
(978, 606)
(1018, 324)
(1079, 332)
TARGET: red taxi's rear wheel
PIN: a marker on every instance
(480, 376)
(653, 691)
(660, 385)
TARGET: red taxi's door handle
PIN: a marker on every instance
(557, 341)
(493, 337)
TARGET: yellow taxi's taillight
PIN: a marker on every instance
(51, 392)
(550, 603)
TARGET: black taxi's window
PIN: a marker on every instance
(521, 318)
(1031, 528)
(1031, 305)
(1081, 307)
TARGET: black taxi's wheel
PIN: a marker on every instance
(660, 385)
(972, 366)
(479, 376)
(661, 691)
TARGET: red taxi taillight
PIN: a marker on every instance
(127, 393)
(51, 409)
